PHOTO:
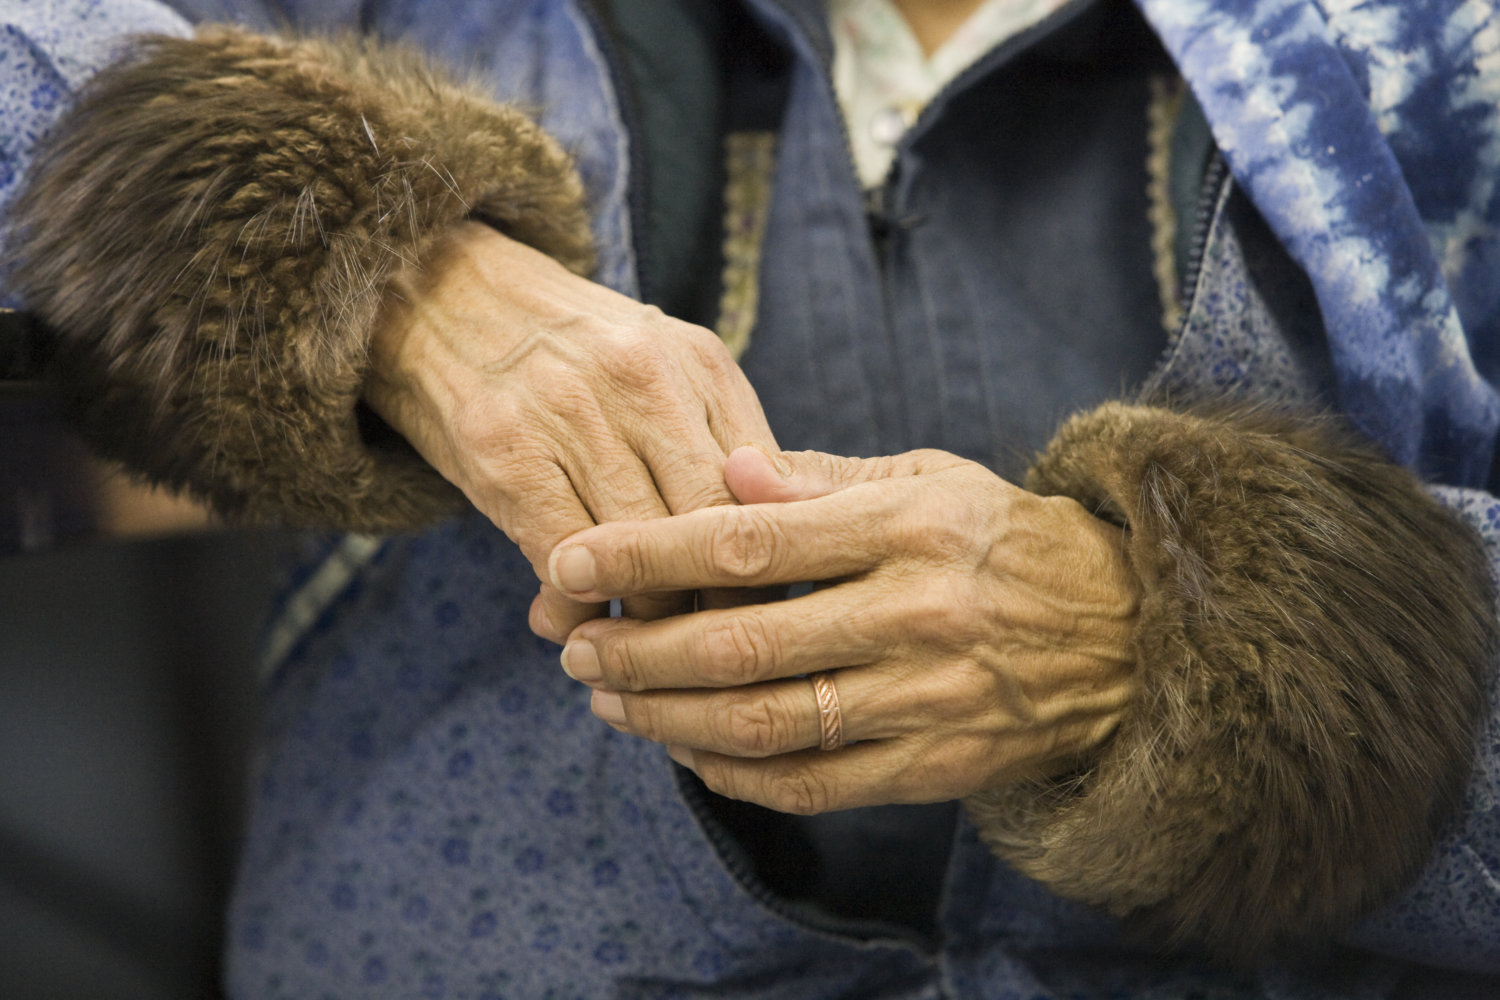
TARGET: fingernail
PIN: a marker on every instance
(573, 569)
(609, 706)
(777, 459)
(541, 624)
(580, 661)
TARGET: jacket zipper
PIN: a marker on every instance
(1210, 193)
(878, 199)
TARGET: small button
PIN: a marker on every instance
(888, 125)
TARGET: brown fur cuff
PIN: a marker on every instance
(1312, 637)
(210, 231)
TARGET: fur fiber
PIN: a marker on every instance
(211, 230)
(1310, 651)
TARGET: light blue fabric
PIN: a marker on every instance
(438, 815)
(48, 49)
(1386, 207)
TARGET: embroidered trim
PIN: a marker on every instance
(1161, 117)
(750, 158)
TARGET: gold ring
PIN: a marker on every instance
(830, 719)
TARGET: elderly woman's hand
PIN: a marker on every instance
(555, 403)
(975, 633)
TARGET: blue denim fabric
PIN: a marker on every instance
(1009, 281)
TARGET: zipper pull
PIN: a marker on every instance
(882, 220)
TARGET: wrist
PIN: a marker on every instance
(1103, 634)
(242, 386)
(437, 328)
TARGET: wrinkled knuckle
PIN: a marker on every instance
(692, 479)
(738, 650)
(526, 480)
(635, 354)
(743, 546)
(625, 566)
(621, 668)
(936, 458)
(753, 730)
(800, 793)
(710, 350)
(644, 718)
(629, 499)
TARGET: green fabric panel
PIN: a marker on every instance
(670, 53)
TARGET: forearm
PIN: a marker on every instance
(211, 231)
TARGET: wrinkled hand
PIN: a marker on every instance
(555, 403)
(977, 633)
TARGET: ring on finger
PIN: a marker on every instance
(830, 718)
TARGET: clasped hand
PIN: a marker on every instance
(977, 633)
(555, 403)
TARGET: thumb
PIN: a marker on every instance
(757, 476)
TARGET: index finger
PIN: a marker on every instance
(751, 546)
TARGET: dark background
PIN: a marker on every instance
(127, 680)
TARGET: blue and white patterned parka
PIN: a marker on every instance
(437, 814)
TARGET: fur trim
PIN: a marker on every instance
(1312, 637)
(211, 231)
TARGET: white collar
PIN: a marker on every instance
(884, 80)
